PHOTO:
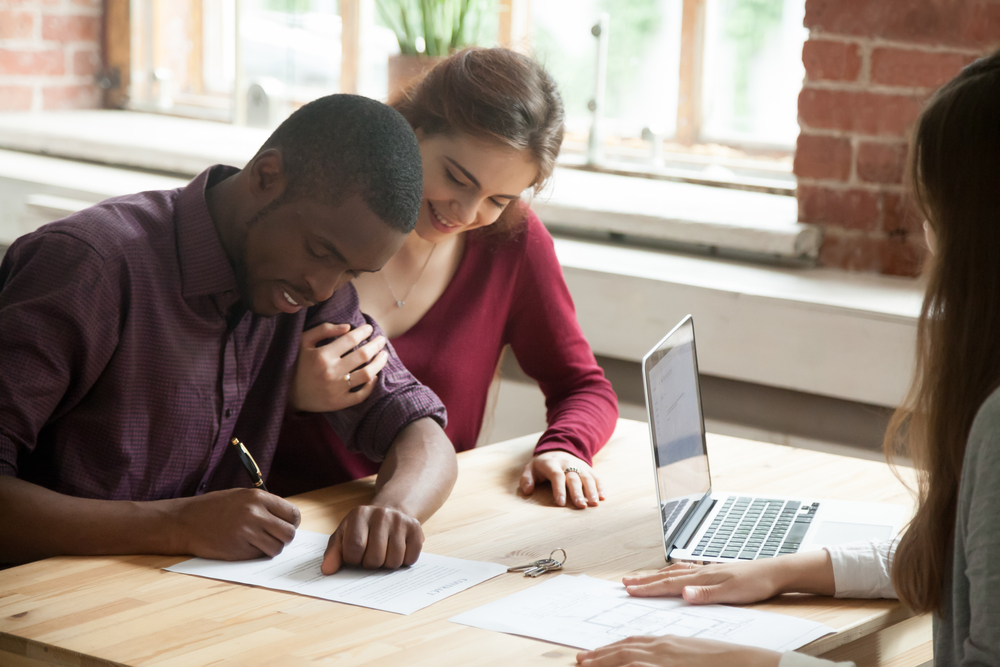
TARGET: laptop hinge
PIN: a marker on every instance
(692, 525)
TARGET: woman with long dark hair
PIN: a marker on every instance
(478, 273)
(948, 560)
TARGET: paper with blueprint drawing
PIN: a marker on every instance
(588, 613)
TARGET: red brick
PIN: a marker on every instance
(848, 209)
(893, 255)
(921, 69)
(983, 27)
(853, 253)
(71, 97)
(863, 112)
(900, 215)
(960, 23)
(86, 63)
(902, 255)
(71, 28)
(827, 158)
(16, 25)
(36, 63)
(882, 163)
(831, 61)
(15, 98)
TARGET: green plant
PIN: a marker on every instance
(439, 26)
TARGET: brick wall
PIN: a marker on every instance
(870, 66)
(50, 51)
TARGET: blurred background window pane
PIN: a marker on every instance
(753, 71)
(643, 63)
(188, 58)
(187, 55)
(291, 47)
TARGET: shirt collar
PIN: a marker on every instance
(205, 267)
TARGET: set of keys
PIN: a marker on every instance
(541, 566)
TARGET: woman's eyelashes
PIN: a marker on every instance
(451, 177)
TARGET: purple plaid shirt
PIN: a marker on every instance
(119, 375)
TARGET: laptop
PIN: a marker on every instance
(703, 525)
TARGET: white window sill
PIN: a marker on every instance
(681, 213)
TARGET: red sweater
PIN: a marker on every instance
(505, 291)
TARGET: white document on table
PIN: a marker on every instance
(588, 613)
(296, 569)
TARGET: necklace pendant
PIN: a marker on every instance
(400, 304)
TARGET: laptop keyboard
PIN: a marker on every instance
(670, 510)
(751, 528)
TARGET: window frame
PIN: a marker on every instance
(514, 18)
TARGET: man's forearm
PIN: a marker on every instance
(419, 471)
(38, 523)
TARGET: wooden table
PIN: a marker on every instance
(128, 611)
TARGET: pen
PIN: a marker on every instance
(249, 464)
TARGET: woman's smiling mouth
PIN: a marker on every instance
(439, 222)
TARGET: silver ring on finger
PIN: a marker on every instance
(572, 469)
(347, 379)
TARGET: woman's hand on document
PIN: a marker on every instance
(670, 651)
(750, 581)
(336, 375)
(567, 474)
(738, 583)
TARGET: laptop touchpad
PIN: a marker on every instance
(840, 532)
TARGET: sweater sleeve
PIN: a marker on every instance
(581, 406)
(977, 534)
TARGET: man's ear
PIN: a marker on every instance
(267, 179)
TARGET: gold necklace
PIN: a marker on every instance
(402, 302)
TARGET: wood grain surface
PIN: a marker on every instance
(128, 611)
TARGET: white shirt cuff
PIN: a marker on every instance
(862, 569)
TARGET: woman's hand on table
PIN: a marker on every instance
(580, 483)
(738, 583)
(670, 651)
(320, 382)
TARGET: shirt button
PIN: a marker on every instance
(229, 412)
(204, 485)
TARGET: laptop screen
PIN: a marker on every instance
(673, 405)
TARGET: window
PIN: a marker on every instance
(700, 89)
(706, 88)
(753, 71)
(188, 58)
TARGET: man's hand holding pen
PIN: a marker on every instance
(235, 524)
